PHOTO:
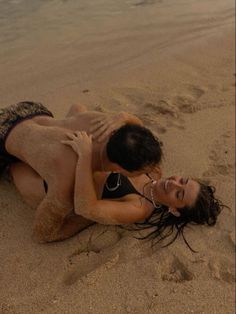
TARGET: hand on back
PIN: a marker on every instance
(80, 142)
(101, 128)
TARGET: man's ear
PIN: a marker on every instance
(174, 211)
(159, 172)
(116, 168)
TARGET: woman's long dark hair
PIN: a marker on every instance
(205, 211)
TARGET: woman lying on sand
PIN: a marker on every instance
(29, 133)
(164, 204)
(79, 196)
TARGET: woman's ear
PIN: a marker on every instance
(174, 211)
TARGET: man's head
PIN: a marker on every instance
(134, 148)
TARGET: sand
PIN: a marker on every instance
(172, 64)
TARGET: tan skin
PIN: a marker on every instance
(175, 192)
(37, 142)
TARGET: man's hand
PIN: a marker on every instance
(101, 128)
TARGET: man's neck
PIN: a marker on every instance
(100, 161)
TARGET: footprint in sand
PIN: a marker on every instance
(232, 239)
(163, 107)
(91, 256)
(90, 269)
(87, 265)
(98, 242)
(221, 157)
(84, 266)
(176, 271)
(187, 103)
(149, 121)
(145, 2)
(196, 91)
(222, 270)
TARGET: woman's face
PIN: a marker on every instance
(176, 191)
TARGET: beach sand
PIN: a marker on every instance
(171, 64)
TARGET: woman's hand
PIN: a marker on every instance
(80, 142)
(101, 128)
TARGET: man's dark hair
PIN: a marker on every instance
(134, 147)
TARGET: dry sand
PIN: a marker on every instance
(172, 64)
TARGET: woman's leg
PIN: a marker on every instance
(28, 182)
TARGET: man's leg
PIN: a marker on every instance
(31, 187)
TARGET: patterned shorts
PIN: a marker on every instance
(10, 117)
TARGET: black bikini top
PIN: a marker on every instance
(117, 186)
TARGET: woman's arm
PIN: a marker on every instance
(102, 127)
(86, 202)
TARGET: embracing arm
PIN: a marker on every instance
(86, 202)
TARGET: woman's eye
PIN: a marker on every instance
(180, 195)
(184, 181)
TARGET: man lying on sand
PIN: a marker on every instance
(77, 193)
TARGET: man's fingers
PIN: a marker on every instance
(103, 136)
(100, 131)
(97, 126)
(95, 121)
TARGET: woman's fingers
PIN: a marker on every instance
(77, 134)
(72, 144)
(66, 142)
(70, 135)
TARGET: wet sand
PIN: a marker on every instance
(170, 63)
